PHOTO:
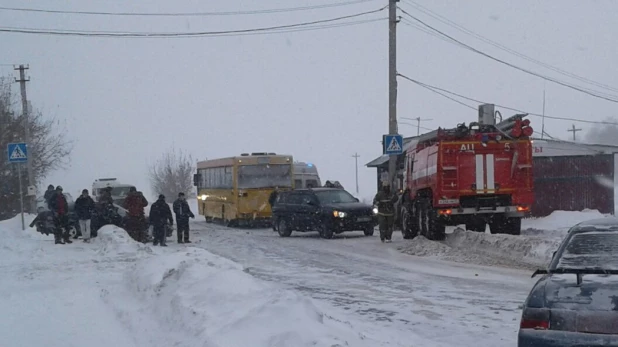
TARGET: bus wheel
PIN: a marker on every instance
(284, 229)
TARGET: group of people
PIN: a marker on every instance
(161, 216)
(135, 222)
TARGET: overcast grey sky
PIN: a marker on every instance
(320, 95)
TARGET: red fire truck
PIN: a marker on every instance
(474, 175)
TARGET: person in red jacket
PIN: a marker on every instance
(136, 224)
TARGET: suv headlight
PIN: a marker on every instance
(375, 210)
(339, 214)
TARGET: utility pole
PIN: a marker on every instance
(392, 83)
(356, 156)
(543, 119)
(26, 121)
(573, 130)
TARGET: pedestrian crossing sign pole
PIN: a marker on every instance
(18, 154)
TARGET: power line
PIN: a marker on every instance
(435, 90)
(189, 14)
(438, 90)
(452, 24)
(69, 32)
(593, 93)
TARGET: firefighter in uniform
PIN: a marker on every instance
(385, 202)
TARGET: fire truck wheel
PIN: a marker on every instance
(431, 225)
(437, 228)
(409, 226)
(284, 229)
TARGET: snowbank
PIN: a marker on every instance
(115, 241)
(558, 222)
(487, 249)
(534, 248)
(216, 303)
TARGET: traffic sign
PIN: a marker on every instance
(393, 144)
(17, 152)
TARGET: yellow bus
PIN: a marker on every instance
(235, 190)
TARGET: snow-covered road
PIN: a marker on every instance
(401, 297)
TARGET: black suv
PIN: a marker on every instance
(327, 210)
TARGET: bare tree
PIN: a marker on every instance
(172, 174)
(49, 148)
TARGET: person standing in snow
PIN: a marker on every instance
(60, 208)
(84, 208)
(160, 214)
(135, 223)
(49, 193)
(271, 201)
(183, 213)
(385, 202)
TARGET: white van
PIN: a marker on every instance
(119, 190)
(306, 175)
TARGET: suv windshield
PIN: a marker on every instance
(591, 250)
(334, 197)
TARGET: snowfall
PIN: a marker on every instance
(233, 288)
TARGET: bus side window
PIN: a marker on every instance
(298, 184)
(312, 184)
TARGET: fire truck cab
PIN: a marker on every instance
(477, 175)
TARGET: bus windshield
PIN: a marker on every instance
(264, 176)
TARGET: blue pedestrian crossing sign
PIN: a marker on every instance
(393, 144)
(18, 152)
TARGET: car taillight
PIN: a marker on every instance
(534, 324)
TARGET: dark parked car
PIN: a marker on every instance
(327, 210)
(575, 303)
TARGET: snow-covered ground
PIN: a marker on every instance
(115, 292)
(395, 298)
(252, 288)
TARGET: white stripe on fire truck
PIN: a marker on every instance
(425, 172)
(489, 162)
(480, 174)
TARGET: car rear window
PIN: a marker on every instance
(591, 250)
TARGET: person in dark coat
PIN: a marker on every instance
(84, 209)
(48, 193)
(60, 208)
(160, 214)
(135, 223)
(106, 212)
(271, 200)
(273, 197)
(183, 213)
(385, 201)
